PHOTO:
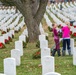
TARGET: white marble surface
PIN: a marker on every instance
(42, 37)
(43, 44)
(74, 56)
(44, 52)
(52, 73)
(22, 38)
(15, 53)
(9, 66)
(48, 65)
(19, 45)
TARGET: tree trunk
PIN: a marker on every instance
(33, 13)
(33, 30)
(34, 6)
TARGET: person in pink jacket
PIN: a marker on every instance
(66, 38)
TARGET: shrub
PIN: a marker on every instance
(37, 54)
(6, 41)
(12, 36)
(8, 30)
(38, 44)
(19, 28)
(2, 46)
(47, 38)
(10, 39)
(3, 32)
(60, 34)
(73, 35)
(49, 28)
(16, 31)
(27, 39)
(24, 44)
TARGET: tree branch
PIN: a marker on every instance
(17, 1)
(42, 8)
(34, 6)
(19, 6)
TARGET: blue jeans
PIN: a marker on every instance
(66, 42)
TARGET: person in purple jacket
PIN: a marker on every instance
(56, 39)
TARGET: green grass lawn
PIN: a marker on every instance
(29, 66)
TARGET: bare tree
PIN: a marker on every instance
(33, 11)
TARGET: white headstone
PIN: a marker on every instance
(45, 52)
(15, 53)
(5, 36)
(4, 29)
(48, 64)
(10, 34)
(74, 23)
(19, 45)
(74, 56)
(71, 46)
(22, 38)
(41, 29)
(67, 52)
(12, 31)
(42, 37)
(25, 32)
(2, 40)
(9, 66)
(52, 73)
(43, 44)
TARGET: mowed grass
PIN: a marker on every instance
(29, 66)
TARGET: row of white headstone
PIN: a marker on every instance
(48, 22)
(15, 59)
(5, 18)
(72, 49)
(7, 10)
(72, 40)
(71, 16)
(54, 17)
(58, 21)
(47, 61)
(6, 36)
(71, 8)
(14, 25)
(7, 23)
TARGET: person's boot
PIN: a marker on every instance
(58, 51)
(63, 53)
(69, 51)
(53, 52)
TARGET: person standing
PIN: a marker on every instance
(56, 39)
(66, 38)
